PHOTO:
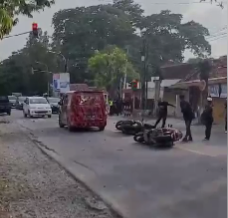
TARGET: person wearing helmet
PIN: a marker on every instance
(207, 118)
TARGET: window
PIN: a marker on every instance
(12, 98)
(53, 100)
(4, 99)
(21, 99)
(37, 101)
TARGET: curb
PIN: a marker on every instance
(115, 208)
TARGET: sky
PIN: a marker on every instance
(211, 16)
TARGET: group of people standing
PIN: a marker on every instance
(115, 107)
(188, 116)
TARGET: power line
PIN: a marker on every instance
(220, 30)
(19, 34)
(213, 37)
(172, 3)
(218, 38)
(181, 3)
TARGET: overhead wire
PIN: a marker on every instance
(174, 3)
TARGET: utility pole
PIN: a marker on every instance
(143, 78)
(64, 58)
(47, 72)
(156, 93)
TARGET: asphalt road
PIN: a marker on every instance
(186, 181)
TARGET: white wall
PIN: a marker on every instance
(151, 93)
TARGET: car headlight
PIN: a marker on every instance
(32, 108)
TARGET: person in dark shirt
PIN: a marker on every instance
(162, 112)
(188, 116)
(207, 118)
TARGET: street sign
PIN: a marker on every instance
(213, 91)
(61, 82)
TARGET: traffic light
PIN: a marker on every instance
(134, 85)
(35, 30)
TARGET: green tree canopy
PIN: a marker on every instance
(16, 74)
(110, 67)
(10, 9)
(81, 31)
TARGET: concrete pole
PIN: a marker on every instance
(157, 88)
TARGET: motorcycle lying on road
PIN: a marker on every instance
(158, 137)
(129, 127)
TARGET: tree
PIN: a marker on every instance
(131, 9)
(79, 32)
(9, 10)
(110, 67)
(167, 38)
(16, 74)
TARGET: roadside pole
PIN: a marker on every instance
(143, 78)
(133, 104)
(156, 93)
(63, 57)
(47, 71)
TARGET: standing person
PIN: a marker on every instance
(188, 116)
(162, 112)
(226, 116)
(207, 118)
(111, 112)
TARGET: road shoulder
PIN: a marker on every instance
(34, 186)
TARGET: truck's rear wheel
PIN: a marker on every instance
(61, 125)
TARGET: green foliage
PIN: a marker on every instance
(112, 29)
(79, 32)
(109, 67)
(15, 72)
(10, 9)
(167, 38)
(204, 67)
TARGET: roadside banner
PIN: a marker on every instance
(223, 93)
(213, 91)
(56, 78)
(61, 82)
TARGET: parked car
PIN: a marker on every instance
(20, 102)
(13, 100)
(54, 102)
(5, 106)
(36, 107)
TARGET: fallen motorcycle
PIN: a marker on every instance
(129, 127)
(160, 137)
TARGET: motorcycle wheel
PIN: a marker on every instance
(119, 125)
(138, 137)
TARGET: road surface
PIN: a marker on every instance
(187, 181)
